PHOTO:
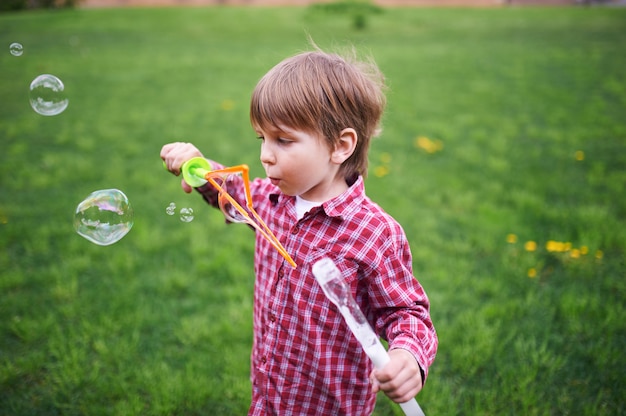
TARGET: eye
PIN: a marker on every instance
(282, 140)
(260, 138)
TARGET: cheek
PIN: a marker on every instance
(308, 165)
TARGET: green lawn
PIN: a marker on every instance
(503, 156)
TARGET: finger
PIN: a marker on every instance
(403, 398)
(167, 149)
(168, 155)
(375, 384)
(401, 391)
(188, 189)
(390, 371)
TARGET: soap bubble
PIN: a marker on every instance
(186, 214)
(104, 217)
(231, 213)
(16, 49)
(46, 95)
(171, 209)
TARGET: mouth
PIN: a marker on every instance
(275, 181)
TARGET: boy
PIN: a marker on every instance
(315, 114)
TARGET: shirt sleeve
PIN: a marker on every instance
(399, 304)
(208, 191)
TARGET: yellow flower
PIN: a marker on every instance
(599, 254)
(579, 155)
(557, 246)
(428, 145)
(381, 171)
(228, 105)
(532, 273)
(511, 238)
(385, 158)
(584, 250)
(530, 246)
(575, 253)
(552, 245)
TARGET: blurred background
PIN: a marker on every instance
(29, 4)
(503, 156)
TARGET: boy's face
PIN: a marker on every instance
(300, 163)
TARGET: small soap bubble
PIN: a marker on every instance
(104, 217)
(171, 209)
(47, 96)
(186, 214)
(16, 49)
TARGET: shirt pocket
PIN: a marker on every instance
(348, 268)
(320, 306)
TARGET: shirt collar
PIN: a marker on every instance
(349, 201)
(340, 206)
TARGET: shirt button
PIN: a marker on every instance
(272, 317)
(295, 230)
(264, 360)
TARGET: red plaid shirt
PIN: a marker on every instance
(305, 360)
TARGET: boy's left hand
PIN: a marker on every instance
(400, 379)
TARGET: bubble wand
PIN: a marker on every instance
(197, 171)
(336, 290)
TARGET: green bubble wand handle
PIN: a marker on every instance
(197, 172)
(336, 290)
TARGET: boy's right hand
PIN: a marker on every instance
(177, 153)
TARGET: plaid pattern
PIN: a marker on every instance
(305, 360)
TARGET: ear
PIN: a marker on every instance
(345, 146)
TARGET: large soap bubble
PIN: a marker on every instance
(104, 217)
(47, 96)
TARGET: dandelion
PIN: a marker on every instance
(575, 253)
(599, 254)
(584, 250)
(579, 155)
(385, 158)
(557, 246)
(511, 238)
(532, 273)
(530, 246)
(428, 145)
(381, 171)
(553, 246)
(227, 105)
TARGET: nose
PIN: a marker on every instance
(267, 155)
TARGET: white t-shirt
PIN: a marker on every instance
(303, 206)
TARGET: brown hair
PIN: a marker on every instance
(323, 93)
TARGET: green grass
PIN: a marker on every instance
(160, 323)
